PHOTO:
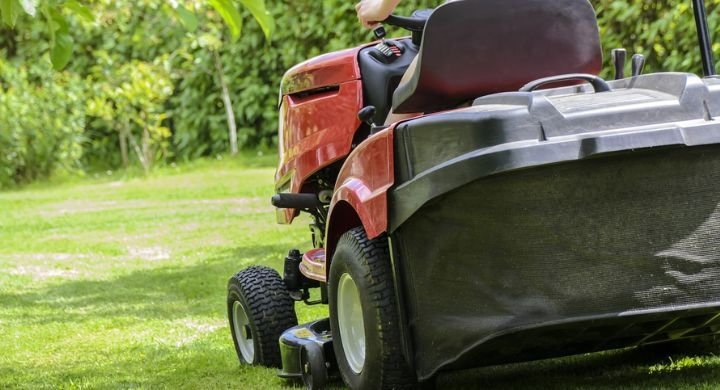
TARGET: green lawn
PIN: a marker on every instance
(116, 282)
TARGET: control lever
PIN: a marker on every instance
(367, 115)
(638, 64)
(379, 32)
(618, 57)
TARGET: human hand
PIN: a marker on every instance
(371, 12)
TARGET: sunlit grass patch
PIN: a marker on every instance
(684, 363)
(121, 284)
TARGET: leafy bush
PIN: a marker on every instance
(662, 30)
(254, 66)
(183, 46)
(131, 102)
(42, 117)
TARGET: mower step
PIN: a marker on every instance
(313, 265)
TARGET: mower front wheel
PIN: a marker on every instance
(313, 366)
(363, 315)
(259, 310)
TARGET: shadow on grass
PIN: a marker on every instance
(178, 292)
(166, 293)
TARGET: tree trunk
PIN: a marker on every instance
(124, 150)
(140, 150)
(146, 149)
(232, 126)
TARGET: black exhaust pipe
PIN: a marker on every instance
(704, 38)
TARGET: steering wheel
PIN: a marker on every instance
(412, 23)
(415, 24)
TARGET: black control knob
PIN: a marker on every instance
(379, 32)
(619, 56)
(638, 64)
(367, 115)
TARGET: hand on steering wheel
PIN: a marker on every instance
(371, 12)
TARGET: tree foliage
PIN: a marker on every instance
(131, 102)
(165, 72)
(42, 119)
(62, 42)
(663, 30)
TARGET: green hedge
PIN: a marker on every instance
(43, 125)
(662, 30)
(41, 122)
(305, 28)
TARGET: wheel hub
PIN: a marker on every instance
(351, 324)
(243, 332)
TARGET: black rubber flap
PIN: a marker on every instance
(476, 47)
(611, 236)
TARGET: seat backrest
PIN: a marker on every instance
(472, 48)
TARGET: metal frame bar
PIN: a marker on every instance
(706, 53)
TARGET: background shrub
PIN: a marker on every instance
(41, 122)
(189, 121)
(662, 30)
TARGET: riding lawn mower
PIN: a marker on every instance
(528, 209)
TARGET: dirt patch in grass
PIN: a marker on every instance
(153, 253)
(41, 273)
(50, 257)
(197, 330)
(71, 207)
(45, 266)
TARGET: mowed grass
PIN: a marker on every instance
(119, 282)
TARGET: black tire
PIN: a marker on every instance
(314, 371)
(367, 262)
(261, 295)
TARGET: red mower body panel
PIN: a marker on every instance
(360, 196)
(318, 119)
(327, 70)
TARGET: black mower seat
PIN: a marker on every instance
(472, 48)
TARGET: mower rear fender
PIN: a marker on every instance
(561, 222)
(360, 196)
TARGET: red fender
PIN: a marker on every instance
(360, 196)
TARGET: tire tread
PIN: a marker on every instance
(271, 310)
(374, 253)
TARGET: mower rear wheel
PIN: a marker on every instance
(363, 315)
(259, 310)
